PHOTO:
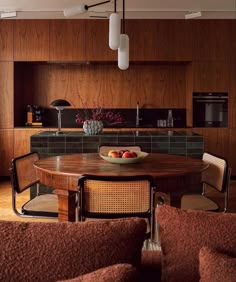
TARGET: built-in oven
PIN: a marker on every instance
(210, 109)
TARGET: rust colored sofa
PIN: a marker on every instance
(195, 246)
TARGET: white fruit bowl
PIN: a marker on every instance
(140, 156)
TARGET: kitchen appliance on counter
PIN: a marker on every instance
(210, 109)
(34, 115)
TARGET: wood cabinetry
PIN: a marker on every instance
(211, 76)
(232, 96)
(67, 40)
(232, 150)
(160, 40)
(216, 140)
(6, 151)
(213, 39)
(174, 40)
(31, 40)
(97, 41)
(6, 94)
(6, 40)
(143, 39)
(22, 140)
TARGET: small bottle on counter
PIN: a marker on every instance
(29, 115)
(170, 120)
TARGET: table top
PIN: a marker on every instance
(157, 165)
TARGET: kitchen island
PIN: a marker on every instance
(185, 143)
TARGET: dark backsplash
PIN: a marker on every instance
(148, 117)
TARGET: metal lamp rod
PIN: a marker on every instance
(100, 3)
(59, 120)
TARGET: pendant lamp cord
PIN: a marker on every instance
(115, 6)
(123, 22)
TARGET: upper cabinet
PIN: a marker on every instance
(97, 41)
(142, 39)
(174, 40)
(31, 40)
(67, 40)
(6, 40)
(160, 40)
(80, 40)
(213, 39)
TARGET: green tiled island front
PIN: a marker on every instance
(170, 142)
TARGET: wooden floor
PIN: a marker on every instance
(6, 212)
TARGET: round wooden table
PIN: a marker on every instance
(174, 174)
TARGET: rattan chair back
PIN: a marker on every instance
(23, 176)
(116, 197)
(23, 173)
(217, 173)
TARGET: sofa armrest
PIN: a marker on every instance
(150, 269)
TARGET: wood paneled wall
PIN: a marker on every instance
(102, 85)
(175, 57)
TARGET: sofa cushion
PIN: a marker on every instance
(50, 251)
(184, 232)
(215, 266)
(117, 273)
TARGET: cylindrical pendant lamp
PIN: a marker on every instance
(123, 52)
(114, 31)
(79, 9)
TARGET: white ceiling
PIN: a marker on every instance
(161, 9)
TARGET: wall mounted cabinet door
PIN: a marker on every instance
(232, 151)
(22, 140)
(6, 94)
(6, 40)
(97, 41)
(211, 76)
(213, 39)
(232, 96)
(31, 40)
(6, 151)
(216, 140)
(143, 39)
(67, 40)
(174, 40)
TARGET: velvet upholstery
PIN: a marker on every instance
(184, 232)
(41, 251)
(116, 273)
(216, 266)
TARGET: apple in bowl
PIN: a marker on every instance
(114, 154)
(125, 154)
(129, 154)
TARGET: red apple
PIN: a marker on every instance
(128, 155)
(134, 154)
(121, 152)
(113, 154)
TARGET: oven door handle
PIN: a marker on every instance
(211, 101)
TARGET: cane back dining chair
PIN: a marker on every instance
(23, 176)
(216, 176)
(106, 197)
(104, 148)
